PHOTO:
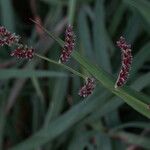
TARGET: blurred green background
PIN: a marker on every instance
(39, 104)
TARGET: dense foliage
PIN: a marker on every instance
(40, 106)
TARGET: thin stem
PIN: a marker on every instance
(62, 65)
(60, 42)
(71, 12)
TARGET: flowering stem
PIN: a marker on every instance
(62, 65)
(71, 12)
(60, 42)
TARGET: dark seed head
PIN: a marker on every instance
(126, 62)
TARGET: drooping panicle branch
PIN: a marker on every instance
(126, 62)
(88, 88)
(69, 44)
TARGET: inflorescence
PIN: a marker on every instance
(69, 44)
(88, 88)
(8, 38)
(126, 62)
(21, 51)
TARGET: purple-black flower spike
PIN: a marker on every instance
(23, 52)
(7, 38)
(88, 88)
(68, 46)
(126, 62)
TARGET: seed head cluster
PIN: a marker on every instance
(23, 52)
(7, 38)
(69, 44)
(126, 62)
(88, 88)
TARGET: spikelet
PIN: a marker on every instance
(88, 88)
(126, 62)
(68, 46)
(23, 52)
(8, 38)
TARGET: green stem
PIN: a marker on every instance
(71, 11)
(61, 42)
(62, 65)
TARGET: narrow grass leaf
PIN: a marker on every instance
(139, 59)
(142, 6)
(117, 18)
(131, 97)
(84, 34)
(134, 139)
(142, 125)
(133, 25)
(55, 128)
(26, 73)
(100, 36)
(7, 14)
(141, 82)
(136, 100)
(57, 101)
